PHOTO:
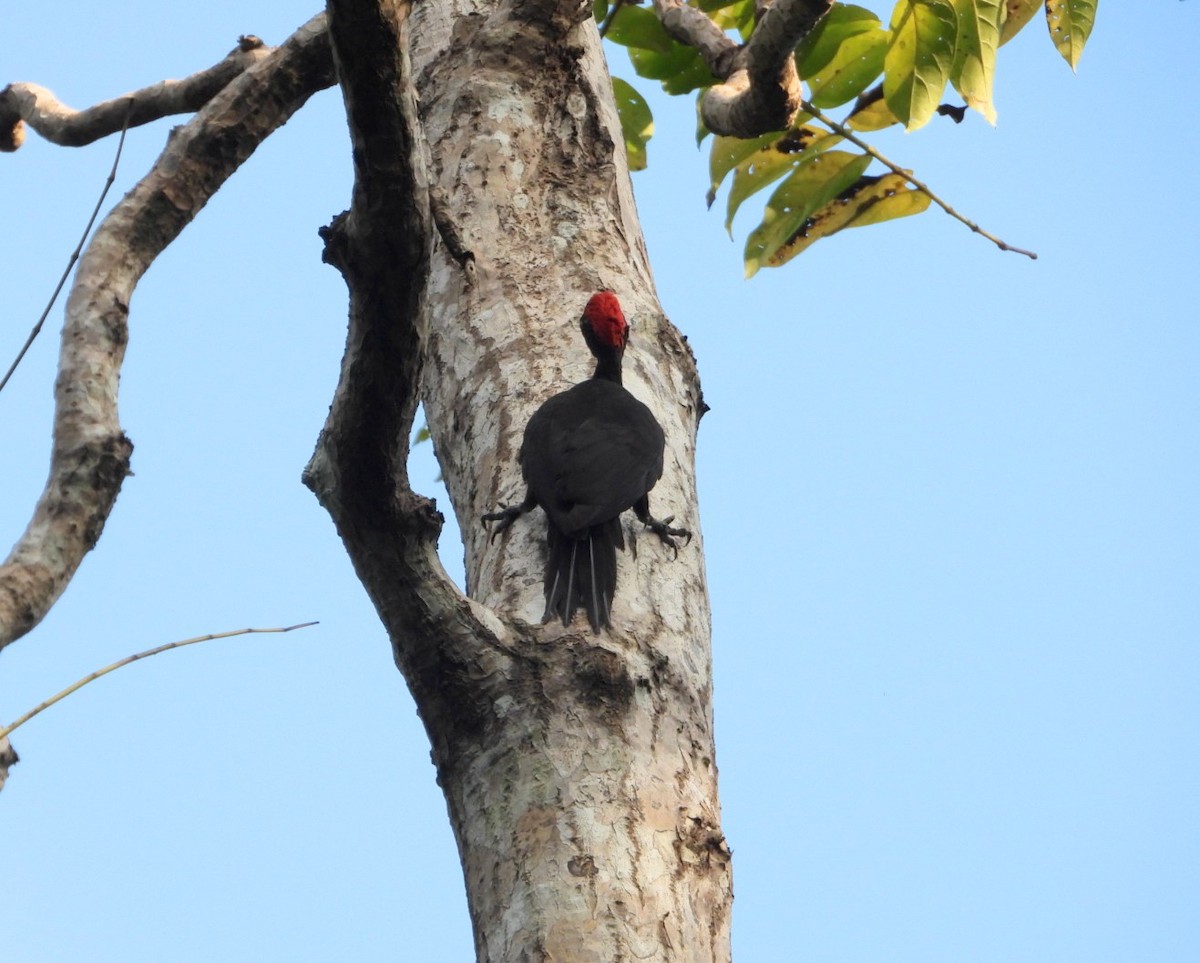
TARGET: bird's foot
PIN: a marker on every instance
(506, 516)
(662, 528)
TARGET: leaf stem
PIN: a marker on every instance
(924, 188)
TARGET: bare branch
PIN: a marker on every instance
(59, 124)
(37, 328)
(359, 471)
(694, 28)
(90, 456)
(6, 731)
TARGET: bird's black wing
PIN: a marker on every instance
(590, 453)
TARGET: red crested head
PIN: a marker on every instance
(604, 317)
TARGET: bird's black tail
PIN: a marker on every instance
(582, 572)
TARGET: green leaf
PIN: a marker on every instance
(843, 57)
(1070, 26)
(788, 152)
(843, 22)
(655, 55)
(639, 27)
(805, 191)
(1017, 13)
(975, 56)
(919, 59)
(693, 76)
(738, 15)
(857, 65)
(870, 200)
(680, 69)
(637, 123)
(599, 10)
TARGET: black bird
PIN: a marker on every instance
(589, 454)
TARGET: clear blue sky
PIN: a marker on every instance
(949, 499)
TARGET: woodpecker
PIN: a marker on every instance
(589, 454)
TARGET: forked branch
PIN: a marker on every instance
(382, 247)
(90, 455)
(760, 89)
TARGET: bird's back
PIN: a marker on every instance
(589, 453)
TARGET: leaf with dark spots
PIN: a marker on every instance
(870, 200)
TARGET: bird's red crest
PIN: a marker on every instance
(603, 314)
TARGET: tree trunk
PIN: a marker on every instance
(578, 769)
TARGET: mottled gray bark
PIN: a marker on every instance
(578, 770)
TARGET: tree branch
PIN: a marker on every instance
(761, 90)
(59, 124)
(694, 28)
(87, 231)
(90, 456)
(359, 471)
(8, 758)
(6, 731)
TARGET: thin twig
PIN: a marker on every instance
(845, 132)
(134, 658)
(112, 176)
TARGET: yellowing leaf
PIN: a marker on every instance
(728, 152)
(919, 59)
(806, 190)
(637, 123)
(702, 130)
(1070, 24)
(870, 200)
(786, 153)
(871, 112)
(889, 198)
(1017, 13)
(975, 56)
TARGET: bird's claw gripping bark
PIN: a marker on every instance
(506, 516)
(662, 528)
